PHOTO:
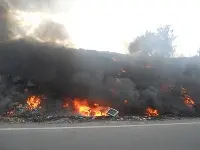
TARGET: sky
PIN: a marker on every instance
(111, 24)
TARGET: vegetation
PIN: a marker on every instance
(159, 43)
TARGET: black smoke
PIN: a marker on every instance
(108, 78)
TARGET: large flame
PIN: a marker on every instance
(33, 102)
(85, 109)
(151, 112)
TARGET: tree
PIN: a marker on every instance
(159, 43)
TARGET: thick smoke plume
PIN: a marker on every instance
(129, 84)
(108, 78)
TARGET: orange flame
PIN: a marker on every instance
(151, 112)
(125, 102)
(65, 105)
(188, 101)
(33, 102)
(84, 109)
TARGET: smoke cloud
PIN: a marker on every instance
(108, 78)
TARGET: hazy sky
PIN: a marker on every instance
(110, 24)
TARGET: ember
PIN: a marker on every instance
(125, 102)
(65, 105)
(33, 102)
(151, 112)
(83, 108)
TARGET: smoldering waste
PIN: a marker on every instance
(42, 81)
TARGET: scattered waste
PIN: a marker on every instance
(113, 112)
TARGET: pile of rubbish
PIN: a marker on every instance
(44, 81)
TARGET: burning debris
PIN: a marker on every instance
(186, 98)
(112, 112)
(136, 88)
(85, 109)
(65, 105)
(125, 85)
(33, 102)
(151, 112)
(125, 102)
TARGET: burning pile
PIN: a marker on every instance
(33, 102)
(130, 88)
(84, 108)
(151, 112)
(186, 98)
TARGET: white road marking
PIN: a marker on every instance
(99, 127)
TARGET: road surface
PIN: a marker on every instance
(165, 135)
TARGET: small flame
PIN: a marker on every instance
(125, 102)
(187, 99)
(33, 102)
(83, 108)
(65, 105)
(151, 112)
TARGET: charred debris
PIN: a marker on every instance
(42, 81)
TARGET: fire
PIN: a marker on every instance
(85, 109)
(125, 102)
(33, 102)
(65, 105)
(187, 99)
(151, 112)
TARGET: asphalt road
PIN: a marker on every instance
(167, 135)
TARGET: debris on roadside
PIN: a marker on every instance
(112, 112)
